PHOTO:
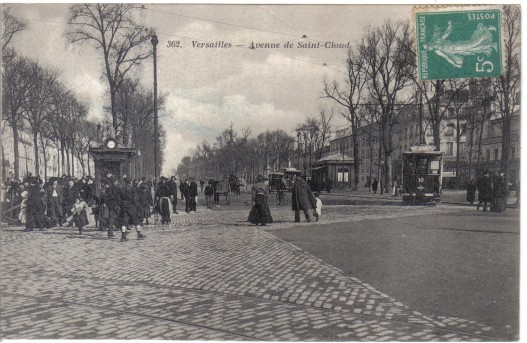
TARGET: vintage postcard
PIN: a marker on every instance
(271, 172)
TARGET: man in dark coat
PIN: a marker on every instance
(192, 194)
(374, 185)
(172, 186)
(471, 191)
(185, 188)
(112, 200)
(55, 197)
(130, 210)
(302, 199)
(70, 193)
(163, 200)
(484, 185)
(145, 200)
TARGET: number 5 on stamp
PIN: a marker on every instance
(458, 44)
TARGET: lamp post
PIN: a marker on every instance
(298, 141)
(156, 134)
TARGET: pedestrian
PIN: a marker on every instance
(145, 200)
(80, 216)
(172, 186)
(70, 193)
(499, 193)
(201, 184)
(209, 194)
(394, 188)
(318, 209)
(184, 188)
(302, 199)
(112, 201)
(129, 212)
(181, 186)
(260, 213)
(163, 200)
(55, 197)
(374, 185)
(471, 191)
(484, 186)
(328, 185)
(192, 195)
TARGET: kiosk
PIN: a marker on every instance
(113, 158)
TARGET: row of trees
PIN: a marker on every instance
(381, 82)
(247, 156)
(35, 100)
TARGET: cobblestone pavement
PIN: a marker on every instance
(207, 276)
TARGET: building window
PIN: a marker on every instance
(449, 130)
(449, 148)
(495, 154)
(488, 154)
(462, 147)
(513, 152)
(490, 130)
(342, 175)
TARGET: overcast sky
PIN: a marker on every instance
(207, 89)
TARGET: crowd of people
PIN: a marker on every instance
(125, 204)
(492, 192)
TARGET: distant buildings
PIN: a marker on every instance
(478, 146)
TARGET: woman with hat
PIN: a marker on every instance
(260, 213)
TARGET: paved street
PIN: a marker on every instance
(208, 276)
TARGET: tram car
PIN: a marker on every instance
(421, 175)
(285, 176)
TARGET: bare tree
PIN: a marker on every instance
(11, 26)
(509, 83)
(350, 97)
(16, 90)
(115, 32)
(36, 108)
(387, 64)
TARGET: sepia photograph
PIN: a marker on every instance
(260, 172)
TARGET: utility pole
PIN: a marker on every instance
(156, 129)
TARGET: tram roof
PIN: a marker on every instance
(422, 153)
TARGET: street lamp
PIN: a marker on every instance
(156, 138)
(298, 141)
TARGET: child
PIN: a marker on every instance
(317, 212)
(80, 216)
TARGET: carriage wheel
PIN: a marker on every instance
(228, 198)
(285, 200)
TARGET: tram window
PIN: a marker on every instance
(434, 167)
(422, 165)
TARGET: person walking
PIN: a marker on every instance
(260, 213)
(55, 197)
(192, 194)
(375, 185)
(302, 199)
(130, 202)
(111, 200)
(484, 185)
(172, 186)
(184, 188)
(145, 200)
(80, 216)
(209, 194)
(163, 200)
(471, 191)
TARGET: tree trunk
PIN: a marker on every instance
(505, 150)
(72, 158)
(45, 157)
(479, 147)
(437, 137)
(35, 150)
(68, 161)
(356, 158)
(15, 151)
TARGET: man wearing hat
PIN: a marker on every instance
(163, 200)
(130, 209)
(112, 200)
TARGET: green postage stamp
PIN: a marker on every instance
(458, 43)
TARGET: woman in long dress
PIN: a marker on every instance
(260, 213)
